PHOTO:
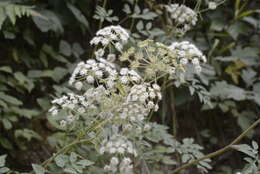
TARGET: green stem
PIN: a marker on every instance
(218, 152)
(133, 19)
(174, 116)
(99, 27)
(101, 22)
(63, 150)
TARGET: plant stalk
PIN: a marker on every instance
(220, 151)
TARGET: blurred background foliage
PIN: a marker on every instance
(41, 40)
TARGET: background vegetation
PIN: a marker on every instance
(41, 40)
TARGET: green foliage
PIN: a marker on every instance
(252, 160)
(103, 14)
(3, 169)
(14, 11)
(31, 66)
(41, 40)
(72, 163)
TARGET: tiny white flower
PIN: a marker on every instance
(114, 161)
(71, 106)
(90, 79)
(126, 160)
(109, 144)
(121, 150)
(91, 62)
(105, 42)
(70, 118)
(83, 72)
(63, 123)
(123, 115)
(147, 127)
(99, 53)
(143, 98)
(212, 5)
(78, 85)
(184, 61)
(107, 168)
(159, 95)
(156, 107)
(111, 57)
(54, 112)
(99, 74)
(156, 87)
(124, 79)
(102, 150)
(112, 150)
(150, 104)
(81, 110)
(124, 71)
(117, 144)
(110, 83)
(204, 59)
(152, 95)
(195, 61)
(118, 46)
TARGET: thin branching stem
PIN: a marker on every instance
(220, 151)
(63, 150)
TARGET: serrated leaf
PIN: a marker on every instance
(7, 69)
(27, 133)
(167, 160)
(73, 157)
(140, 25)
(137, 9)
(28, 113)
(50, 21)
(77, 50)
(70, 170)
(127, 9)
(38, 169)
(7, 124)
(4, 170)
(78, 14)
(85, 163)
(255, 145)
(245, 149)
(65, 48)
(9, 10)
(248, 76)
(226, 91)
(10, 99)
(5, 143)
(61, 160)
(2, 17)
(2, 160)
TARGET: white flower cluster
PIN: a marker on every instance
(117, 144)
(118, 97)
(77, 104)
(127, 75)
(93, 70)
(145, 94)
(124, 167)
(114, 35)
(133, 112)
(70, 101)
(188, 52)
(183, 16)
